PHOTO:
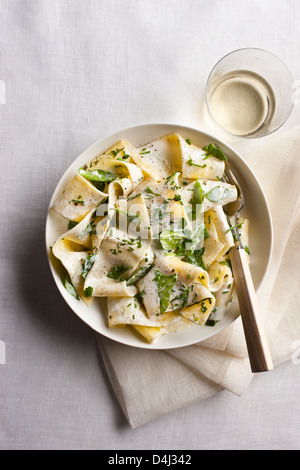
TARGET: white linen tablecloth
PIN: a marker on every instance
(71, 73)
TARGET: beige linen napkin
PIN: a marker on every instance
(152, 383)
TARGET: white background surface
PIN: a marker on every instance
(76, 71)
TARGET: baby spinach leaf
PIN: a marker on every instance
(97, 175)
(195, 257)
(70, 288)
(170, 240)
(138, 275)
(116, 271)
(88, 264)
(88, 291)
(214, 195)
(165, 284)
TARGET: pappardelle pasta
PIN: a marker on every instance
(147, 230)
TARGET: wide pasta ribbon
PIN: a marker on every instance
(150, 234)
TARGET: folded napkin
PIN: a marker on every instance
(152, 382)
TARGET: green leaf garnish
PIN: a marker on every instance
(88, 291)
(72, 224)
(139, 274)
(115, 152)
(195, 257)
(87, 230)
(70, 288)
(184, 297)
(117, 271)
(165, 284)
(170, 240)
(88, 264)
(191, 163)
(233, 227)
(216, 194)
(211, 322)
(148, 190)
(97, 175)
(188, 244)
(79, 200)
(215, 151)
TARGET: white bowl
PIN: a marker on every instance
(256, 209)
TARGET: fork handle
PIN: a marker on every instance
(258, 350)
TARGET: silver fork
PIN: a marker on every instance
(257, 345)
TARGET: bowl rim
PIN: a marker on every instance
(117, 135)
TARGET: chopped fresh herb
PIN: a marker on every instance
(88, 291)
(78, 201)
(191, 163)
(203, 306)
(159, 212)
(115, 152)
(178, 198)
(188, 141)
(195, 257)
(215, 151)
(165, 284)
(140, 295)
(247, 249)
(133, 197)
(125, 156)
(234, 234)
(144, 151)
(185, 297)
(233, 227)
(148, 190)
(70, 288)
(87, 230)
(117, 271)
